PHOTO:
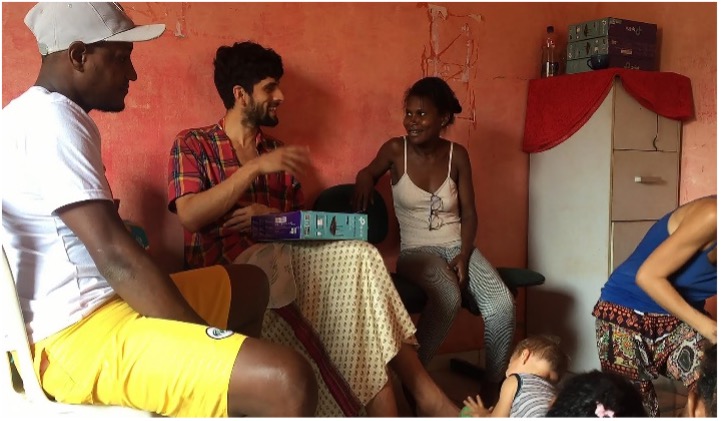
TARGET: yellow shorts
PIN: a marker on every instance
(118, 357)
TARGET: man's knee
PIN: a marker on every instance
(271, 380)
(299, 383)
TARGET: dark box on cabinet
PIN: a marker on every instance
(581, 65)
(620, 29)
(604, 45)
(629, 44)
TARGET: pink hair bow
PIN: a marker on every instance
(602, 412)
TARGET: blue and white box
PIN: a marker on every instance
(310, 225)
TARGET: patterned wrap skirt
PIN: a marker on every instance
(347, 320)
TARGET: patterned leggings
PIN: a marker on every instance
(428, 268)
(642, 346)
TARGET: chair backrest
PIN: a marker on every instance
(15, 338)
(31, 401)
(339, 199)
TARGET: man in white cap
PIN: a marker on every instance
(107, 326)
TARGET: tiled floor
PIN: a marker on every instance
(672, 395)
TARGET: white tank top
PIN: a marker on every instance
(426, 219)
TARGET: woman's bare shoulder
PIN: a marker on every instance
(393, 146)
(700, 213)
(701, 207)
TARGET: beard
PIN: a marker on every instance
(268, 121)
(260, 117)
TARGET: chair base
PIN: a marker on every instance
(21, 406)
(467, 369)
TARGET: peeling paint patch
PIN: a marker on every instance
(180, 22)
(477, 18)
(179, 30)
(436, 10)
(453, 53)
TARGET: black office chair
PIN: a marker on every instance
(339, 199)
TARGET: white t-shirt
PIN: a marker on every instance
(50, 159)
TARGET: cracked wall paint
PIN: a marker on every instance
(179, 30)
(453, 54)
(180, 22)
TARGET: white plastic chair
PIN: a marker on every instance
(29, 400)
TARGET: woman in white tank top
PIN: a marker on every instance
(434, 202)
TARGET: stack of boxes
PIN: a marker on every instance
(629, 44)
(309, 225)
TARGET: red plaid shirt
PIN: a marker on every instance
(204, 157)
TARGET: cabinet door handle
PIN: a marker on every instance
(647, 179)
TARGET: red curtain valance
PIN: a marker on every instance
(558, 106)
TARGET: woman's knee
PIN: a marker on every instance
(506, 302)
(444, 296)
(425, 268)
(499, 310)
(497, 297)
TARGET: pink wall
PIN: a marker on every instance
(347, 66)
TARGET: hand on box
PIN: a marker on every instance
(292, 159)
(239, 219)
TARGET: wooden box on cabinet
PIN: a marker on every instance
(591, 200)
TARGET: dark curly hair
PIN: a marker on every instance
(244, 64)
(581, 395)
(440, 94)
(706, 385)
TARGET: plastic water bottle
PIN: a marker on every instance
(549, 55)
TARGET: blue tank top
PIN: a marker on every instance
(695, 281)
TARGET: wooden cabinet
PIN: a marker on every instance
(644, 184)
(591, 200)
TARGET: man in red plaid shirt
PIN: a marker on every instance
(347, 317)
(222, 175)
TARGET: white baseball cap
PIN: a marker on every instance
(57, 25)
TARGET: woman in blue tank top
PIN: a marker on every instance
(650, 318)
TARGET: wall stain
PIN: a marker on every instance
(180, 22)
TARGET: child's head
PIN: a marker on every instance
(540, 355)
(704, 404)
(597, 395)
